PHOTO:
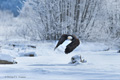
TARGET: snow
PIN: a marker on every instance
(54, 65)
(6, 57)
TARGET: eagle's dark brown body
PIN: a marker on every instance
(70, 47)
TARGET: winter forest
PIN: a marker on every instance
(91, 20)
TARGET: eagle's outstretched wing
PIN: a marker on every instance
(70, 47)
(61, 40)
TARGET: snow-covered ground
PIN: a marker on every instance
(102, 63)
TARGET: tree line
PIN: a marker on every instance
(92, 20)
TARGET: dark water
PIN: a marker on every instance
(11, 5)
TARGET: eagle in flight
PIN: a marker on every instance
(71, 46)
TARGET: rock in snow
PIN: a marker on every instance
(77, 59)
(6, 59)
(118, 51)
(28, 54)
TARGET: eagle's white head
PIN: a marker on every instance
(69, 37)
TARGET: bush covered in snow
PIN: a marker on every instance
(93, 20)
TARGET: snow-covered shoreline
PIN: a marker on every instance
(53, 65)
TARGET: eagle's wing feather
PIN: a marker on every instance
(61, 40)
(70, 47)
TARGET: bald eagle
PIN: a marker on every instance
(70, 47)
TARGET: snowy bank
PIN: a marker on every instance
(6, 59)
